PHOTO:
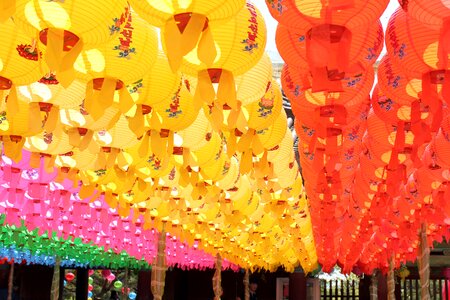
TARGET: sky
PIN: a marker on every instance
(271, 25)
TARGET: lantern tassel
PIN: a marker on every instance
(159, 267)
(54, 294)
(424, 263)
(217, 278)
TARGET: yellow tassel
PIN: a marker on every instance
(136, 123)
(206, 50)
(35, 120)
(125, 100)
(12, 104)
(35, 160)
(143, 150)
(205, 90)
(52, 119)
(12, 148)
(226, 91)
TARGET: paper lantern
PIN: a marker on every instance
(196, 135)
(262, 113)
(392, 110)
(258, 114)
(187, 26)
(65, 28)
(81, 125)
(252, 85)
(355, 91)
(353, 14)
(164, 120)
(49, 144)
(158, 86)
(15, 127)
(427, 60)
(112, 141)
(15, 69)
(110, 67)
(330, 54)
(242, 39)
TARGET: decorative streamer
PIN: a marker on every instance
(246, 285)
(10, 280)
(391, 280)
(374, 286)
(424, 263)
(54, 294)
(159, 268)
(217, 278)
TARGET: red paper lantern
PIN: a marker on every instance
(328, 52)
(353, 14)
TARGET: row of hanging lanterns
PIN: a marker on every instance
(192, 136)
(375, 167)
(329, 49)
(404, 172)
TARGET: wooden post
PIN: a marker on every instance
(374, 286)
(246, 285)
(391, 280)
(423, 261)
(11, 280)
(217, 278)
(54, 292)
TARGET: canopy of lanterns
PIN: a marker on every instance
(376, 167)
(114, 130)
(122, 119)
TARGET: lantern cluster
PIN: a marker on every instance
(329, 49)
(191, 138)
(50, 208)
(404, 163)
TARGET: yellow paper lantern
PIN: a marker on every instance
(49, 144)
(19, 63)
(81, 126)
(160, 125)
(240, 45)
(112, 142)
(65, 27)
(158, 86)
(15, 127)
(195, 136)
(187, 25)
(263, 112)
(252, 85)
(110, 67)
(211, 151)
